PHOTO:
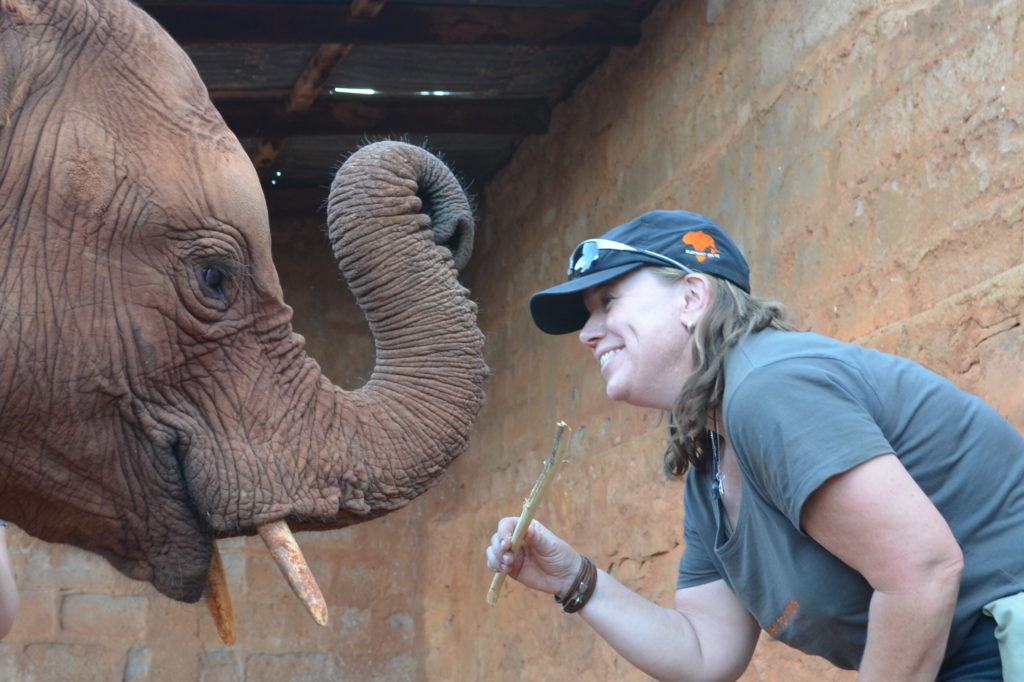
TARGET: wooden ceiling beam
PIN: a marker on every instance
(215, 21)
(307, 88)
(309, 85)
(365, 9)
(311, 82)
(374, 116)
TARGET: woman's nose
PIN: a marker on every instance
(592, 331)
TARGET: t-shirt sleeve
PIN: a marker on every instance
(798, 422)
(695, 566)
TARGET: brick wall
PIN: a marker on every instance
(867, 160)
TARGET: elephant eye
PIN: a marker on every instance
(213, 280)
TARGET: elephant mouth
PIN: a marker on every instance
(285, 551)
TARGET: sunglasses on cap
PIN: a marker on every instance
(589, 251)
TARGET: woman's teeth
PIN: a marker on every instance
(606, 356)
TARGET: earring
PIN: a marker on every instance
(690, 326)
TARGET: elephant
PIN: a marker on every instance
(153, 395)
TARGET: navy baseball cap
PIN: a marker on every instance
(688, 241)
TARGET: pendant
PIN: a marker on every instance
(718, 485)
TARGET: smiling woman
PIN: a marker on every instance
(851, 504)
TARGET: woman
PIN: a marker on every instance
(851, 503)
(8, 590)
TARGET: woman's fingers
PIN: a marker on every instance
(500, 558)
(506, 527)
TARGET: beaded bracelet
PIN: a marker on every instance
(582, 587)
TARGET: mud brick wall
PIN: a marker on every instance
(867, 156)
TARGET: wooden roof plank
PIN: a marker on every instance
(228, 22)
(393, 70)
(311, 160)
(385, 116)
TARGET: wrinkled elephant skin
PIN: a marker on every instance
(154, 396)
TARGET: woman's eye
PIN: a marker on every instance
(213, 280)
(606, 301)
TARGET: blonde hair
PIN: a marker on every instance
(731, 315)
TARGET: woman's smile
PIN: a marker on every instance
(603, 360)
(635, 331)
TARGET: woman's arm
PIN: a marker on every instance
(8, 590)
(876, 519)
(708, 636)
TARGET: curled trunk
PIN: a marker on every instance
(400, 224)
(390, 204)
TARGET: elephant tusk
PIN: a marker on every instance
(218, 599)
(282, 545)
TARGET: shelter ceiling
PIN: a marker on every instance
(302, 84)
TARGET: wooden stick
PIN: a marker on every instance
(551, 465)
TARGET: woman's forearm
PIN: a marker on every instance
(908, 631)
(657, 640)
(666, 643)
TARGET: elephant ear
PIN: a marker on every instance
(14, 14)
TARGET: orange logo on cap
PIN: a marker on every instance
(703, 244)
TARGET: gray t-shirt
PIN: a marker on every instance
(801, 408)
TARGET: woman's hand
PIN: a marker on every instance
(8, 590)
(544, 562)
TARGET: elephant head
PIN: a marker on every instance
(153, 396)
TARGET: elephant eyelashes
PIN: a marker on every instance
(216, 277)
(213, 281)
(209, 285)
(211, 271)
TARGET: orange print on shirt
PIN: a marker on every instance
(782, 621)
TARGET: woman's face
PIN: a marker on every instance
(637, 333)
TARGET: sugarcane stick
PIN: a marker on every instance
(540, 488)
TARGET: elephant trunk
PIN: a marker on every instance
(391, 204)
(399, 224)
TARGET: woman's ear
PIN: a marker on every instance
(696, 296)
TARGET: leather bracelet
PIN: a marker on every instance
(582, 587)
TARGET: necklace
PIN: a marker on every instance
(718, 485)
